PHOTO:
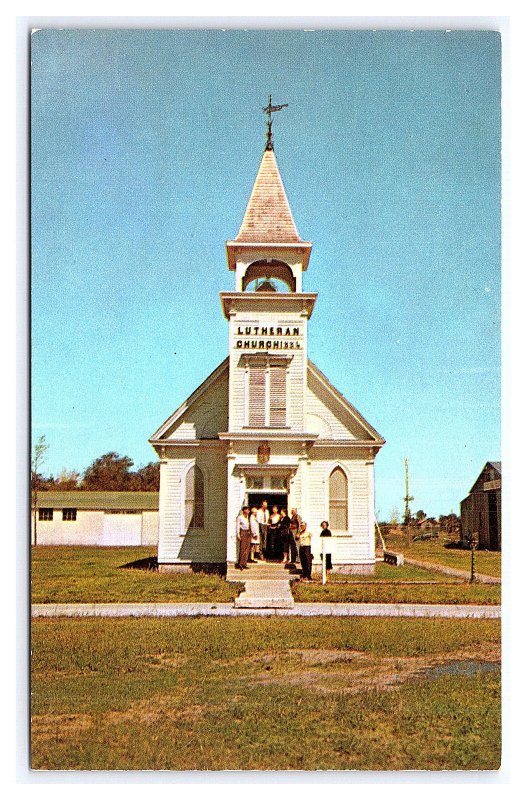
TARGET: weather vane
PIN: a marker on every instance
(269, 110)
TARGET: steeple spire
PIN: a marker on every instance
(268, 217)
(268, 224)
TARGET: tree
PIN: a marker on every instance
(68, 479)
(394, 517)
(420, 515)
(146, 479)
(110, 472)
(43, 483)
(39, 453)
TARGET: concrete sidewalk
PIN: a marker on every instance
(299, 610)
(456, 573)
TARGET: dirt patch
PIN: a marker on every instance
(353, 671)
(145, 712)
(165, 661)
(320, 657)
(159, 709)
(60, 726)
(486, 651)
(308, 657)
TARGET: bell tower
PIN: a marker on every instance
(268, 312)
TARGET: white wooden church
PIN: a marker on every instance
(267, 423)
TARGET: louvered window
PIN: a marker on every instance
(267, 395)
(278, 396)
(338, 504)
(257, 381)
(194, 499)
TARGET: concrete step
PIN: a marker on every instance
(262, 573)
(243, 578)
(265, 594)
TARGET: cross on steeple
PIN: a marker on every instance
(269, 110)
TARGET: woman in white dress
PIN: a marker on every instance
(255, 540)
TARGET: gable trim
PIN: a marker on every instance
(189, 402)
(496, 465)
(333, 391)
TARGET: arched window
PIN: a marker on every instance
(338, 505)
(194, 499)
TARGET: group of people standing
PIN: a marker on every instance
(276, 536)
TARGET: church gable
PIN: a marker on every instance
(329, 414)
(204, 414)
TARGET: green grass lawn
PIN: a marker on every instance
(434, 551)
(280, 694)
(387, 573)
(99, 575)
(70, 574)
(337, 591)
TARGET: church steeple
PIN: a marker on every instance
(268, 231)
(268, 218)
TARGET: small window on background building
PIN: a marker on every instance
(194, 499)
(69, 514)
(338, 504)
(45, 514)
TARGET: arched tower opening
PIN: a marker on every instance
(276, 274)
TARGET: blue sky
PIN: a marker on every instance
(145, 145)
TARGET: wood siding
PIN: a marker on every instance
(480, 511)
(207, 417)
(180, 545)
(100, 529)
(356, 544)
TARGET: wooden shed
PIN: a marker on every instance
(480, 511)
(103, 519)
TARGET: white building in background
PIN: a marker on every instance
(267, 423)
(103, 519)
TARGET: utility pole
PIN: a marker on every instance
(407, 498)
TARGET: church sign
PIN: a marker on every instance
(283, 338)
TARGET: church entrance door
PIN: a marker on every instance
(274, 549)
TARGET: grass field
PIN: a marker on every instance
(336, 591)
(434, 551)
(96, 575)
(280, 694)
(387, 573)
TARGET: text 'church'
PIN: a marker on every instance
(266, 424)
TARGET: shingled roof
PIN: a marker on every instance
(268, 217)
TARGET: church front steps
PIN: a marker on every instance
(267, 585)
(263, 571)
(265, 594)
